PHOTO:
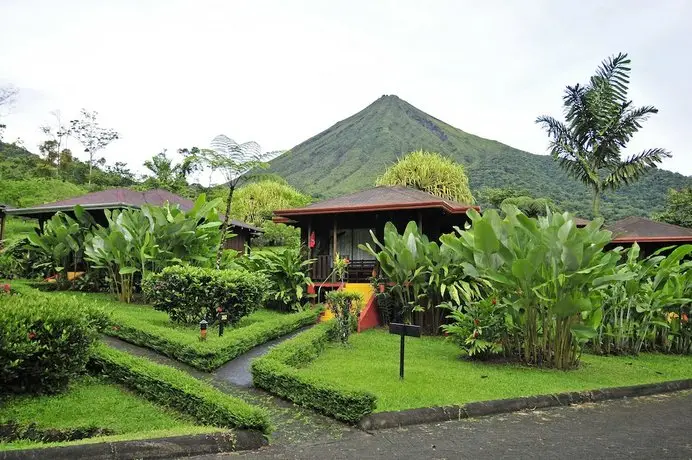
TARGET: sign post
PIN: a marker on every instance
(403, 330)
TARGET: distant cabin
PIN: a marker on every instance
(123, 198)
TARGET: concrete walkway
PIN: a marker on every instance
(642, 428)
(293, 424)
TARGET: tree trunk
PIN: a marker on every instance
(91, 166)
(224, 226)
(596, 203)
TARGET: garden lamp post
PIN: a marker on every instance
(222, 316)
(203, 329)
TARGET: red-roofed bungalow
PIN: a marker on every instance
(122, 198)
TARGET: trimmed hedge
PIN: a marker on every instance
(190, 294)
(277, 373)
(174, 388)
(209, 355)
(44, 341)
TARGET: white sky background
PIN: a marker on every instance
(170, 74)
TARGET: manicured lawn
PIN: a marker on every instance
(436, 375)
(92, 402)
(144, 326)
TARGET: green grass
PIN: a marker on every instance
(436, 375)
(144, 326)
(92, 402)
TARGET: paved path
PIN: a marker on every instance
(644, 428)
(293, 424)
(237, 371)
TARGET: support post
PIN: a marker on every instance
(307, 242)
(3, 217)
(401, 355)
(334, 248)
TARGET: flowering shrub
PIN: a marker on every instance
(480, 329)
(346, 308)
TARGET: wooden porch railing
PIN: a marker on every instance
(359, 271)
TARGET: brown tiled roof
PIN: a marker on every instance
(123, 196)
(114, 199)
(376, 199)
(631, 229)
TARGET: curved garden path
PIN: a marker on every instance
(292, 423)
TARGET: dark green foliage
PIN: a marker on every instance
(532, 207)
(346, 308)
(278, 235)
(44, 341)
(287, 273)
(179, 390)
(350, 156)
(277, 373)
(190, 294)
(20, 259)
(678, 208)
(209, 355)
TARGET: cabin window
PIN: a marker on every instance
(347, 241)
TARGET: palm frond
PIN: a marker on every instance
(614, 72)
(634, 167)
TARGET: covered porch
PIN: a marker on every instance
(341, 225)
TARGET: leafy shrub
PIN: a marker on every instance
(346, 308)
(210, 354)
(287, 273)
(179, 390)
(44, 341)
(547, 273)
(137, 242)
(276, 372)
(190, 294)
(480, 328)
(276, 234)
(20, 259)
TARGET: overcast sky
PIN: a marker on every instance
(168, 74)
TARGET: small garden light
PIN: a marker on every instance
(203, 329)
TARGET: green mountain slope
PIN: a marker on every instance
(351, 154)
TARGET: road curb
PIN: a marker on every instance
(171, 447)
(397, 419)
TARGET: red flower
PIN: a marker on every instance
(684, 318)
(6, 288)
(476, 322)
(31, 335)
(346, 260)
(493, 301)
(475, 334)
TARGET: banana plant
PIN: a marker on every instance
(62, 239)
(288, 273)
(544, 271)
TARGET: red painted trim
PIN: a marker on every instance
(369, 316)
(652, 239)
(373, 208)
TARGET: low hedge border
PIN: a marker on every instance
(208, 356)
(168, 447)
(174, 388)
(396, 419)
(277, 373)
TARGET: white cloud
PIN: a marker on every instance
(172, 74)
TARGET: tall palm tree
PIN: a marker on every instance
(599, 123)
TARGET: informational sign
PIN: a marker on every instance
(403, 330)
